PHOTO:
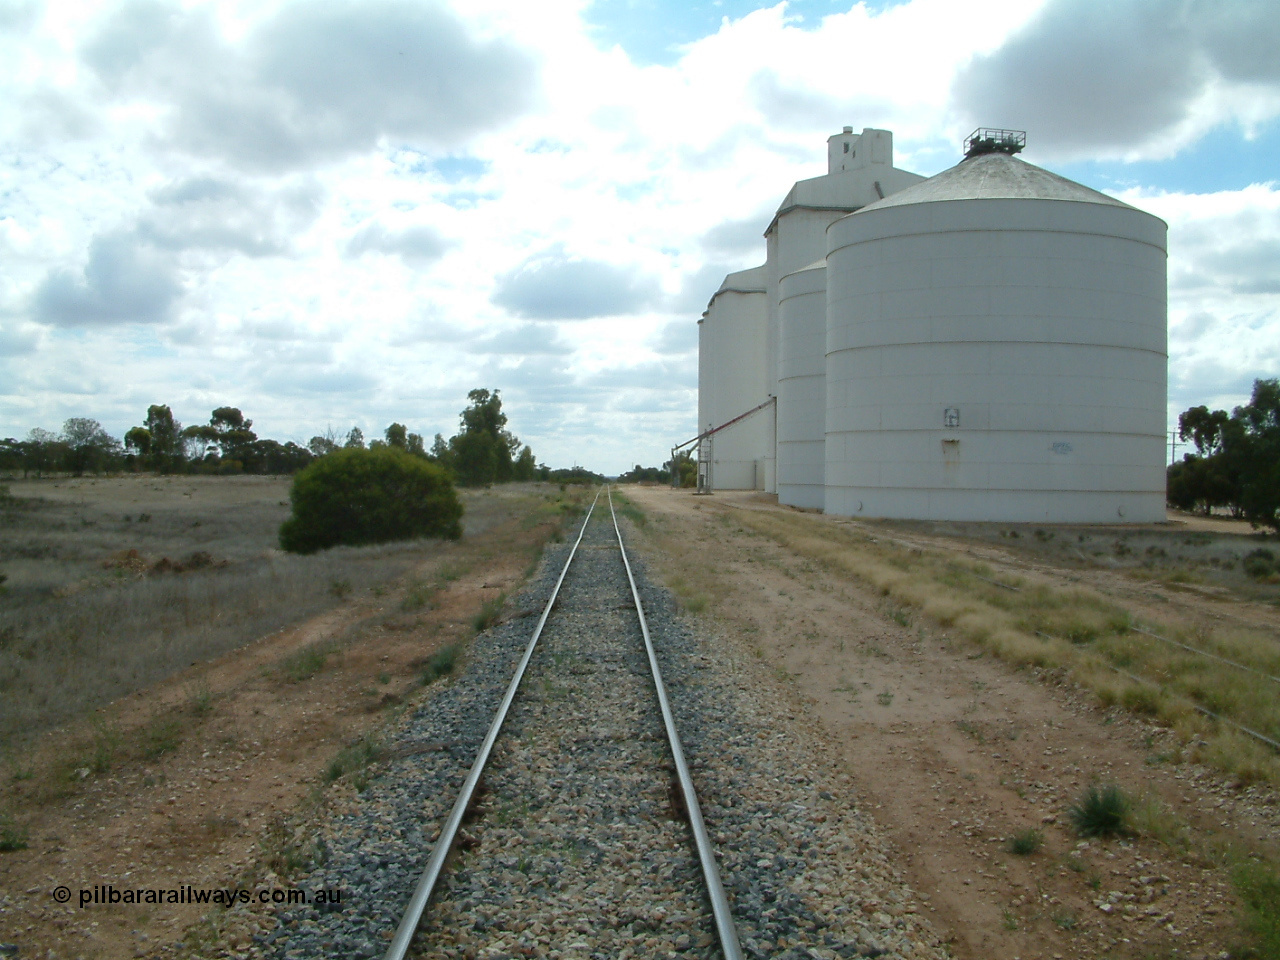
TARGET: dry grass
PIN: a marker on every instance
(87, 618)
(1079, 630)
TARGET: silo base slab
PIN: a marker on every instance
(1002, 506)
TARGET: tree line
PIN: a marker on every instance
(1236, 465)
(482, 452)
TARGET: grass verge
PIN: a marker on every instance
(1075, 629)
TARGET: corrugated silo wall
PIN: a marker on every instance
(796, 239)
(802, 398)
(997, 359)
(738, 380)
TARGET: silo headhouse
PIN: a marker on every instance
(993, 347)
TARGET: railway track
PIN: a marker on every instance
(577, 842)
(616, 788)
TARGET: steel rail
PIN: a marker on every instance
(422, 893)
(725, 928)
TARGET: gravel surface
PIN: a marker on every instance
(576, 849)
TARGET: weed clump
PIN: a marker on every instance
(489, 614)
(12, 837)
(1102, 811)
(307, 662)
(1261, 565)
(439, 664)
(417, 596)
(1025, 842)
(354, 758)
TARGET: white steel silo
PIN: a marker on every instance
(802, 398)
(996, 350)
(860, 171)
(733, 379)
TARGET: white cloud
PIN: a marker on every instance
(1224, 301)
(312, 82)
(123, 281)
(553, 285)
(414, 244)
(1129, 78)
(213, 213)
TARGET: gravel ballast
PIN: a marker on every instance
(577, 846)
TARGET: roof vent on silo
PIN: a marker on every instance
(991, 140)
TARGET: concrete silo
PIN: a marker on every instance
(996, 350)
(732, 379)
(802, 396)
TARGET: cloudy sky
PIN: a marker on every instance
(350, 212)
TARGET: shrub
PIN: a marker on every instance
(1103, 811)
(356, 496)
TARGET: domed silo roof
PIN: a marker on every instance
(995, 176)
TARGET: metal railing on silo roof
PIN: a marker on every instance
(993, 140)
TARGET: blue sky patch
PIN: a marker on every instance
(652, 31)
(1221, 160)
(457, 169)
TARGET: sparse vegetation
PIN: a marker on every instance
(161, 737)
(1258, 885)
(417, 596)
(1261, 565)
(305, 663)
(284, 850)
(83, 622)
(624, 506)
(1102, 811)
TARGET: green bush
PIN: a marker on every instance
(356, 496)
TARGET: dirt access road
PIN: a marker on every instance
(956, 751)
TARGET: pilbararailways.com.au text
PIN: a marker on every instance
(108, 895)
